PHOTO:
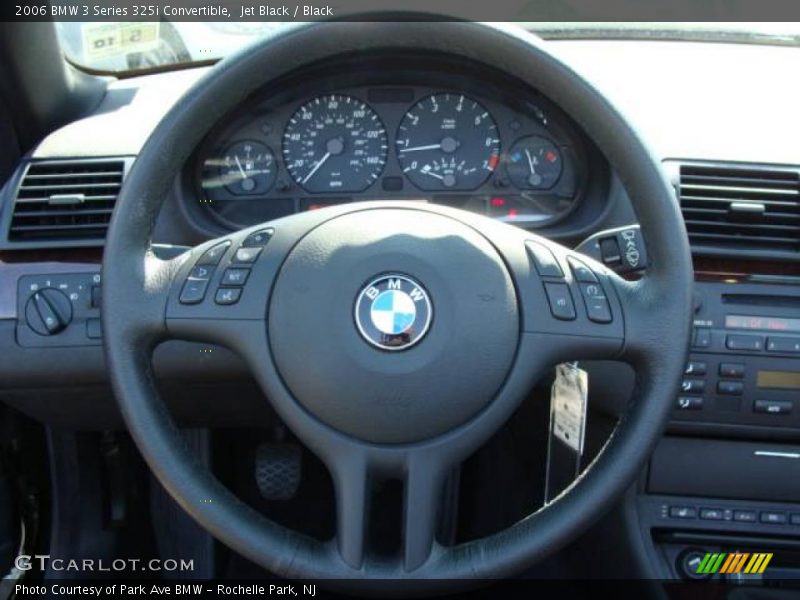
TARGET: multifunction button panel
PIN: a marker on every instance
(732, 516)
(230, 279)
(593, 300)
(59, 310)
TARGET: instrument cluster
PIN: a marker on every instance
(511, 157)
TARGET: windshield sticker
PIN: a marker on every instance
(106, 40)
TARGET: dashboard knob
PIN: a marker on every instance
(48, 311)
(687, 563)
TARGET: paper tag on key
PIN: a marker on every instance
(568, 401)
(568, 406)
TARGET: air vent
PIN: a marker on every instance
(66, 201)
(741, 207)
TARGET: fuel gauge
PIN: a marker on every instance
(246, 168)
(534, 163)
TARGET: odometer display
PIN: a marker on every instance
(448, 142)
(335, 143)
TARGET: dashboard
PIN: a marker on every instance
(347, 132)
(432, 129)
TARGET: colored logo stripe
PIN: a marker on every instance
(733, 562)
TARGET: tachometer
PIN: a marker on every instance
(448, 142)
(335, 143)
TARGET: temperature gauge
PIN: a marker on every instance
(534, 163)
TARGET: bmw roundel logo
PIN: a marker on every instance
(393, 312)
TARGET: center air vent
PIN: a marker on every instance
(66, 201)
(744, 208)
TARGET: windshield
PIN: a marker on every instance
(132, 46)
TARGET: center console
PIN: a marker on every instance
(744, 366)
(725, 479)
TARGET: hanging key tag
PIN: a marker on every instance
(568, 401)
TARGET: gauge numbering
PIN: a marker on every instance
(448, 142)
(335, 144)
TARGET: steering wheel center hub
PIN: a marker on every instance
(393, 325)
(393, 312)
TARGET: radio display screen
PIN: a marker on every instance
(762, 323)
(785, 380)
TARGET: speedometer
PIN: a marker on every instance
(335, 143)
(448, 142)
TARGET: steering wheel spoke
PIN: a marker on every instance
(351, 480)
(424, 481)
(354, 469)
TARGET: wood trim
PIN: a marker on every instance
(714, 269)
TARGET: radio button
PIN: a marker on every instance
(773, 407)
(693, 386)
(730, 388)
(745, 516)
(702, 337)
(745, 342)
(733, 370)
(773, 517)
(789, 345)
(712, 514)
(689, 403)
(695, 367)
(682, 512)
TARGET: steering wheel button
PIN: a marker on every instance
(227, 296)
(560, 299)
(594, 298)
(235, 276)
(213, 255)
(194, 290)
(582, 273)
(246, 255)
(201, 272)
(258, 239)
(546, 263)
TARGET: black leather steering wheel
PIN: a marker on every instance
(408, 403)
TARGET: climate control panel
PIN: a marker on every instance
(59, 310)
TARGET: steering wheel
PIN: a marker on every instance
(394, 339)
